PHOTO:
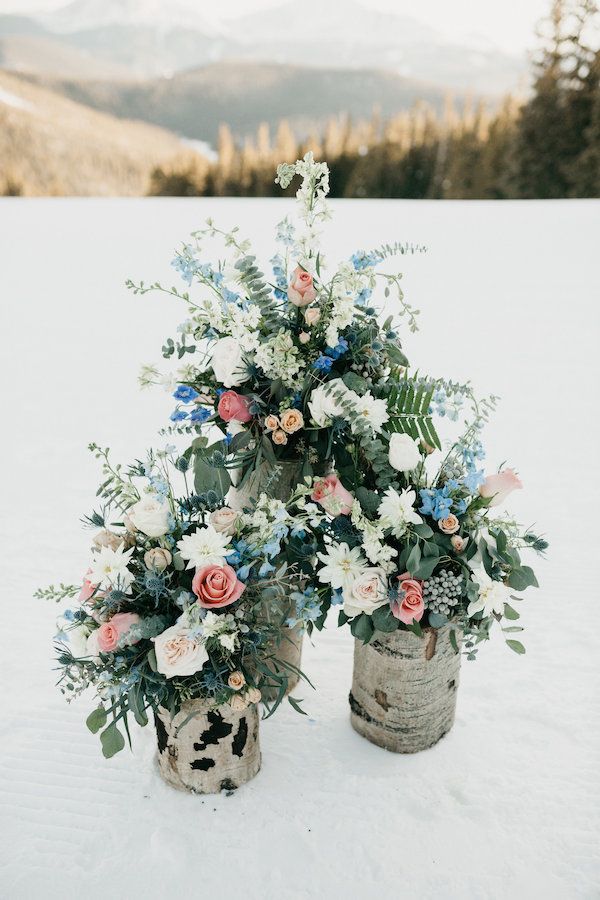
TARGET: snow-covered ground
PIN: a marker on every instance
(507, 805)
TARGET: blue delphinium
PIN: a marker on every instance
(186, 266)
(363, 296)
(362, 260)
(339, 349)
(285, 233)
(323, 363)
(185, 393)
(280, 279)
(200, 415)
(436, 502)
(308, 608)
(178, 415)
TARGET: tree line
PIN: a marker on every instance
(547, 146)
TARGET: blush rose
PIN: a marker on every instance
(301, 291)
(499, 486)
(234, 407)
(409, 606)
(216, 586)
(332, 495)
(110, 632)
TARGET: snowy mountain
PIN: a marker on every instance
(151, 38)
(86, 15)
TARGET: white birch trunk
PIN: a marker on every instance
(281, 487)
(216, 750)
(404, 688)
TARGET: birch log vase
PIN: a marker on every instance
(216, 749)
(404, 688)
(280, 485)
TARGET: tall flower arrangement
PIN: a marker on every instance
(174, 601)
(266, 351)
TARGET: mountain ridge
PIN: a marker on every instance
(153, 38)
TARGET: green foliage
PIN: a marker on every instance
(362, 627)
(522, 578)
(112, 741)
(383, 620)
(56, 594)
(210, 473)
(96, 720)
(409, 404)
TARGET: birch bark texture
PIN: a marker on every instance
(404, 688)
(280, 484)
(206, 749)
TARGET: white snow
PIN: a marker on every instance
(10, 99)
(506, 806)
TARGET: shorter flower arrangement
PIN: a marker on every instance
(174, 604)
(409, 537)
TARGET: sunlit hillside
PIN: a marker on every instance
(52, 145)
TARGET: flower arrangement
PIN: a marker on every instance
(269, 350)
(411, 538)
(174, 605)
(302, 368)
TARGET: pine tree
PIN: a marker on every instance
(552, 126)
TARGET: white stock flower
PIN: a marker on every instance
(366, 593)
(404, 454)
(150, 515)
(228, 641)
(227, 362)
(396, 510)
(108, 569)
(341, 565)
(492, 594)
(205, 547)
(279, 357)
(178, 652)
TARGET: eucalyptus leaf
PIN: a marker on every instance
(510, 613)
(96, 720)
(384, 620)
(362, 628)
(112, 741)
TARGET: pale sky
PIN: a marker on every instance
(508, 24)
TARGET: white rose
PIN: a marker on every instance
(78, 638)
(91, 646)
(177, 653)
(227, 362)
(150, 516)
(224, 520)
(158, 559)
(105, 538)
(404, 453)
(366, 593)
(323, 406)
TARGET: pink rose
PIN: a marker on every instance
(500, 486)
(409, 606)
(217, 586)
(301, 291)
(109, 633)
(234, 407)
(332, 495)
(87, 589)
